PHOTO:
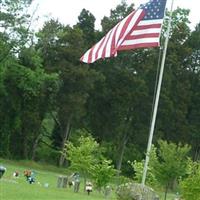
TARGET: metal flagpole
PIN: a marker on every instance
(157, 98)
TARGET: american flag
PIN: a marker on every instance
(140, 29)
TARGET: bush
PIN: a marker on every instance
(190, 186)
(134, 191)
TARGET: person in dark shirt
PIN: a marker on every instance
(2, 171)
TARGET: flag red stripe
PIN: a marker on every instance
(105, 46)
(114, 41)
(96, 54)
(142, 27)
(140, 45)
(126, 25)
(90, 54)
(134, 26)
(146, 35)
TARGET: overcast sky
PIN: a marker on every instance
(67, 11)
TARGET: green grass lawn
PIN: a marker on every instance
(19, 189)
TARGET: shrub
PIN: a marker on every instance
(134, 191)
(190, 186)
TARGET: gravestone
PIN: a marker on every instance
(107, 192)
(62, 182)
(65, 180)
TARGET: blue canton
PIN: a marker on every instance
(154, 9)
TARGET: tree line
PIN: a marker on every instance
(47, 96)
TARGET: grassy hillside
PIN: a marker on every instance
(12, 188)
(19, 189)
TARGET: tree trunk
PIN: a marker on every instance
(124, 140)
(121, 152)
(85, 180)
(25, 148)
(65, 137)
(166, 190)
(197, 153)
(35, 145)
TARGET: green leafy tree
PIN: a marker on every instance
(172, 163)
(83, 155)
(138, 168)
(29, 95)
(60, 47)
(87, 25)
(190, 189)
(14, 23)
(192, 67)
(116, 15)
(86, 157)
(102, 173)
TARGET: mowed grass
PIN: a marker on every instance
(19, 189)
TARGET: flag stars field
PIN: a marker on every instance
(140, 29)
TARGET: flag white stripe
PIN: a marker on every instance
(146, 31)
(150, 22)
(139, 41)
(121, 25)
(130, 26)
(109, 43)
(100, 52)
(86, 56)
(133, 31)
(95, 49)
(119, 29)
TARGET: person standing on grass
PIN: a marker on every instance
(76, 182)
(2, 171)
